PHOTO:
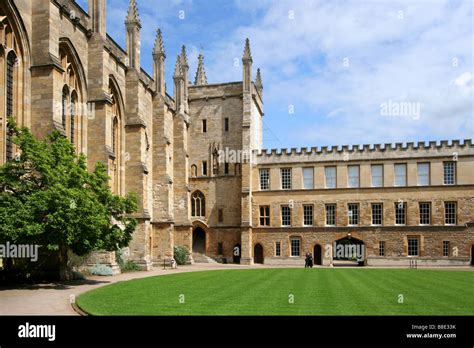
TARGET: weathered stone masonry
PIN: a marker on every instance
(60, 70)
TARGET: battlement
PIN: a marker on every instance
(360, 152)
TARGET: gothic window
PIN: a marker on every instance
(198, 204)
(116, 161)
(10, 101)
(71, 97)
(73, 116)
(13, 67)
(65, 97)
(115, 135)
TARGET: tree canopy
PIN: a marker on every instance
(49, 198)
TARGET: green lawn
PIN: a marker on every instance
(318, 291)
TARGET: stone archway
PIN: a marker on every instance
(317, 255)
(472, 254)
(258, 253)
(349, 251)
(199, 241)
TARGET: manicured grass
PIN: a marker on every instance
(267, 292)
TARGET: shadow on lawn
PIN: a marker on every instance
(59, 285)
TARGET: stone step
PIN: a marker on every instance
(201, 258)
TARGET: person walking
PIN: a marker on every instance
(310, 260)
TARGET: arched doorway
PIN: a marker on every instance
(258, 253)
(199, 241)
(237, 252)
(472, 255)
(317, 254)
(349, 251)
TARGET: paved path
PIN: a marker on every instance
(53, 299)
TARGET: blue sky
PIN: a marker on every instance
(334, 63)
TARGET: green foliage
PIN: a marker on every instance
(49, 198)
(125, 265)
(101, 270)
(181, 255)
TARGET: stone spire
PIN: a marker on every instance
(159, 48)
(247, 54)
(178, 70)
(132, 14)
(201, 78)
(184, 57)
(258, 80)
(159, 57)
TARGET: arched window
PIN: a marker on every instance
(64, 108)
(194, 171)
(198, 204)
(72, 96)
(115, 141)
(10, 100)
(14, 67)
(115, 136)
(73, 116)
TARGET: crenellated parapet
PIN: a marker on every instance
(367, 152)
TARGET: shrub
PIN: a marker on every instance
(181, 255)
(125, 265)
(101, 270)
(129, 266)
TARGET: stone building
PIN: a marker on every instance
(195, 157)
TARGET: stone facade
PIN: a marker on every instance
(195, 158)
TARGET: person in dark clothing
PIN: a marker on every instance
(306, 260)
(310, 260)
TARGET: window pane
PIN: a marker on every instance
(307, 215)
(330, 215)
(412, 246)
(377, 214)
(449, 173)
(308, 178)
(353, 172)
(353, 214)
(285, 216)
(450, 213)
(400, 213)
(425, 213)
(286, 178)
(330, 173)
(277, 249)
(423, 174)
(264, 179)
(295, 247)
(377, 175)
(381, 248)
(400, 175)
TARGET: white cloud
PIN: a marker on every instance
(393, 55)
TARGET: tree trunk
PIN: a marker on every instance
(64, 273)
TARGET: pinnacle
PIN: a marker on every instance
(201, 78)
(132, 14)
(247, 54)
(258, 80)
(178, 71)
(159, 48)
(184, 57)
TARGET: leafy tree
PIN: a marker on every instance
(49, 198)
